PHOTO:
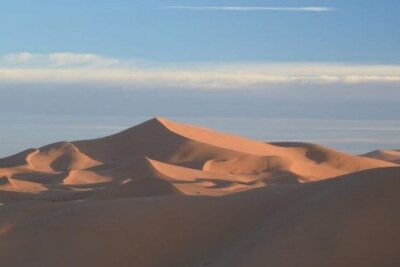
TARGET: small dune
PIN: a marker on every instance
(386, 155)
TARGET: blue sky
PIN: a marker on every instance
(360, 31)
(307, 54)
(323, 59)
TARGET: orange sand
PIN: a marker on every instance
(169, 194)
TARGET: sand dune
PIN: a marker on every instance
(347, 221)
(190, 159)
(169, 194)
(387, 155)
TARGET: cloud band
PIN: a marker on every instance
(81, 68)
(253, 8)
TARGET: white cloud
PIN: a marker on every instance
(96, 69)
(18, 58)
(80, 59)
(253, 8)
(60, 59)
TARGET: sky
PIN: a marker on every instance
(327, 60)
(297, 53)
(200, 44)
(362, 31)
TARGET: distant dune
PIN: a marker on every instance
(387, 155)
(169, 194)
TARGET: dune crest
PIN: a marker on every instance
(386, 155)
(190, 159)
(164, 194)
(351, 220)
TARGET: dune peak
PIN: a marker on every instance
(204, 161)
(127, 184)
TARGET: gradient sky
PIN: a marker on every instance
(255, 55)
(351, 31)
(303, 59)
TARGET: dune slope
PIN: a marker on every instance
(165, 194)
(350, 220)
(387, 155)
(161, 157)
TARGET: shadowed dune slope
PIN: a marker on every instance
(387, 155)
(351, 220)
(161, 157)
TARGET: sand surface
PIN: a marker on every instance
(169, 194)
(387, 155)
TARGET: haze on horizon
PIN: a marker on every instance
(253, 59)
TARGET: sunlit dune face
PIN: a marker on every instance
(163, 157)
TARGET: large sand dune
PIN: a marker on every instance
(147, 197)
(180, 159)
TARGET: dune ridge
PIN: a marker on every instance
(166, 194)
(350, 220)
(208, 163)
(386, 155)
